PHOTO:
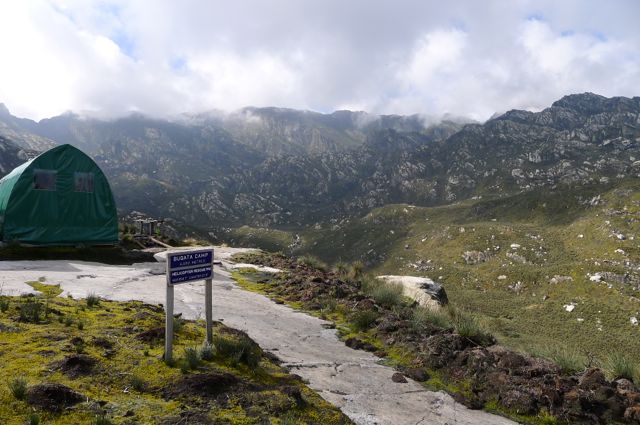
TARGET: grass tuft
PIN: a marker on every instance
(31, 311)
(313, 262)
(618, 365)
(102, 420)
(238, 350)
(192, 357)
(4, 305)
(363, 320)
(385, 294)
(18, 388)
(138, 384)
(93, 300)
(207, 352)
(422, 317)
(467, 326)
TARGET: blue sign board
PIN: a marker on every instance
(187, 275)
(188, 266)
(190, 259)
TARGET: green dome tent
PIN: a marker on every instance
(61, 197)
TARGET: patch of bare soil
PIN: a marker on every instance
(76, 365)
(52, 397)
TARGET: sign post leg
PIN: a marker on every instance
(208, 301)
(168, 332)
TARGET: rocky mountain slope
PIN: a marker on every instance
(12, 155)
(281, 167)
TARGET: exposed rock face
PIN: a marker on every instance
(269, 166)
(12, 155)
(422, 289)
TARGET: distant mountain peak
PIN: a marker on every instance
(4, 111)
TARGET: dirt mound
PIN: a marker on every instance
(52, 397)
(102, 343)
(151, 335)
(76, 365)
(209, 384)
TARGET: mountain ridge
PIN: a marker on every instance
(283, 167)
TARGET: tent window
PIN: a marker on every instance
(44, 179)
(83, 182)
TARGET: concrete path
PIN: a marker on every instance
(350, 379)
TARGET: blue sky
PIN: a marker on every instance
(161, 57)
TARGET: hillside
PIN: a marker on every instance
(280, 167)
(516, 262)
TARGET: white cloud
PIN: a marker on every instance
(162, 57)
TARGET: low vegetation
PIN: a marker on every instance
(109, 370)
(450, 348)
(540, 252)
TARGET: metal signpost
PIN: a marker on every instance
(183, 267)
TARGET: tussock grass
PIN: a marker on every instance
(238, 350)
(363, 320)
(31, 311)
(178, 324)
(138, 383)
(313, 262)
(4, 305)
(18, 388)
(192, 357)
(93, 300)
(569, 360)
(207, 352)
(341, 269)
(102, 420)
(422, 317)
(619, 365)
(383, 293)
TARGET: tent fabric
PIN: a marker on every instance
(60, 197)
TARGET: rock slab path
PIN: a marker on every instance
(350, 379)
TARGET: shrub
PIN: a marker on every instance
(80, 325)
(363, 320)
(68, 321)
(30, 311)
(422, 316)
(4, 305)
(192, 357)
(238, 350)
(312, 262)
(619, 365)
(93, 300)
(18, 388)
(34, 419)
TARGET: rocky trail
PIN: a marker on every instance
(352, 380)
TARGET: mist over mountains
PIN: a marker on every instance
(284, 167)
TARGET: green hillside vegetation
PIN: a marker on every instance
(93, 361)
(566, 233)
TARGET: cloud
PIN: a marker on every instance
(110, 57)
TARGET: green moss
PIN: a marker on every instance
(130, 374)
